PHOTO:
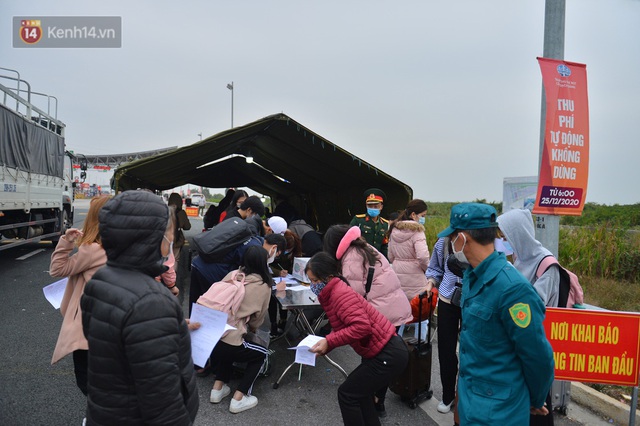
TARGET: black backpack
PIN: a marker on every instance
(215, 244)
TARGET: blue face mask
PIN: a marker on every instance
(316, 288)
(421, 220)
(373, 212)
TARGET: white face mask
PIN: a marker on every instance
(165, 258)
(459, 255)
(272, 257)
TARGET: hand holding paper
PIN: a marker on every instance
(213, 324)
(54, 292)
(321, 347)
(304, 354)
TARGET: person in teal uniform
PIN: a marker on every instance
(372, 226)
(506, 361)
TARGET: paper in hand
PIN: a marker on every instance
(303, 354)
(213, 324)
(54, 292)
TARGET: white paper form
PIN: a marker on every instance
(213, 324)
(54, 292)
(288, 281)
(303, 355)
(289, 284)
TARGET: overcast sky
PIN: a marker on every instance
(442, 95)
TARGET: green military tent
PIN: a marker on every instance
(322, 181)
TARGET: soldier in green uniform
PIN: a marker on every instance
(373, 227)
(506, 361)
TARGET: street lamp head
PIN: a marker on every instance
(230, 86)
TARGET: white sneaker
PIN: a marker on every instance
(444, 408)
(247, 402)
(218, 395)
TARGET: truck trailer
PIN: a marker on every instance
(36, 173)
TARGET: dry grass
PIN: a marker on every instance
(611, 294)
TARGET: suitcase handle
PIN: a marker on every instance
(429, 300)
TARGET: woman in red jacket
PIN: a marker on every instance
(355, 322)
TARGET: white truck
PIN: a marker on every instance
(36, 173)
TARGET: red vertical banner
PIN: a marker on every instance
(564, 170)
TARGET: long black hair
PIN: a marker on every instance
(324, 267)
(232, 205)
(334, 235)
(255, 262)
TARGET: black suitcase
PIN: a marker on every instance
(414, 384)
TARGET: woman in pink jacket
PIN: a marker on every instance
(408, 251)
(345, 244)
(79, 267)
(356, 323)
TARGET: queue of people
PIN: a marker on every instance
(364, 275)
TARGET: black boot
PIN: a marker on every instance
(380, 408)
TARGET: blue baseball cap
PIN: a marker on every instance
(470, 216)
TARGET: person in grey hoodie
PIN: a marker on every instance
(517, 227)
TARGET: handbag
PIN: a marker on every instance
(259, 337)
(457, 295)
(428, 306)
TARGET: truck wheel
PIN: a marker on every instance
(66, 224)
(66, 221)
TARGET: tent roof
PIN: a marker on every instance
(289, 161)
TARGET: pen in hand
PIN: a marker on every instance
(313, 299)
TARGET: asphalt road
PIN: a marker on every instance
(33, 392)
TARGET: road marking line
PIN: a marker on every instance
(28, 255)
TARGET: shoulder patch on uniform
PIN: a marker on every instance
(521, 314)
(360, 216)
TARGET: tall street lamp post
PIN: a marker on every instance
(230, 87)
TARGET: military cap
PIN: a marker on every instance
(375, 195)
(470, 216)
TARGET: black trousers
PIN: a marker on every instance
(355, 395)
(198, 286)
(273, 311)
(224, 355)
(80, 368)
(449, 320)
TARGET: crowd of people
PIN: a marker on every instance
(130, 340)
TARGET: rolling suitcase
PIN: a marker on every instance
(414, 384)
(560, 396)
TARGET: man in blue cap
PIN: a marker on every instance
(506, 362)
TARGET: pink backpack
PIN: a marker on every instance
(225, 296)
(571, 293)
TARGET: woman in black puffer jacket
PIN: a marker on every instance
(140, 368)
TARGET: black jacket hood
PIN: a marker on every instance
(132, 225)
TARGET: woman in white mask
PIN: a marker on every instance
(408, 250)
